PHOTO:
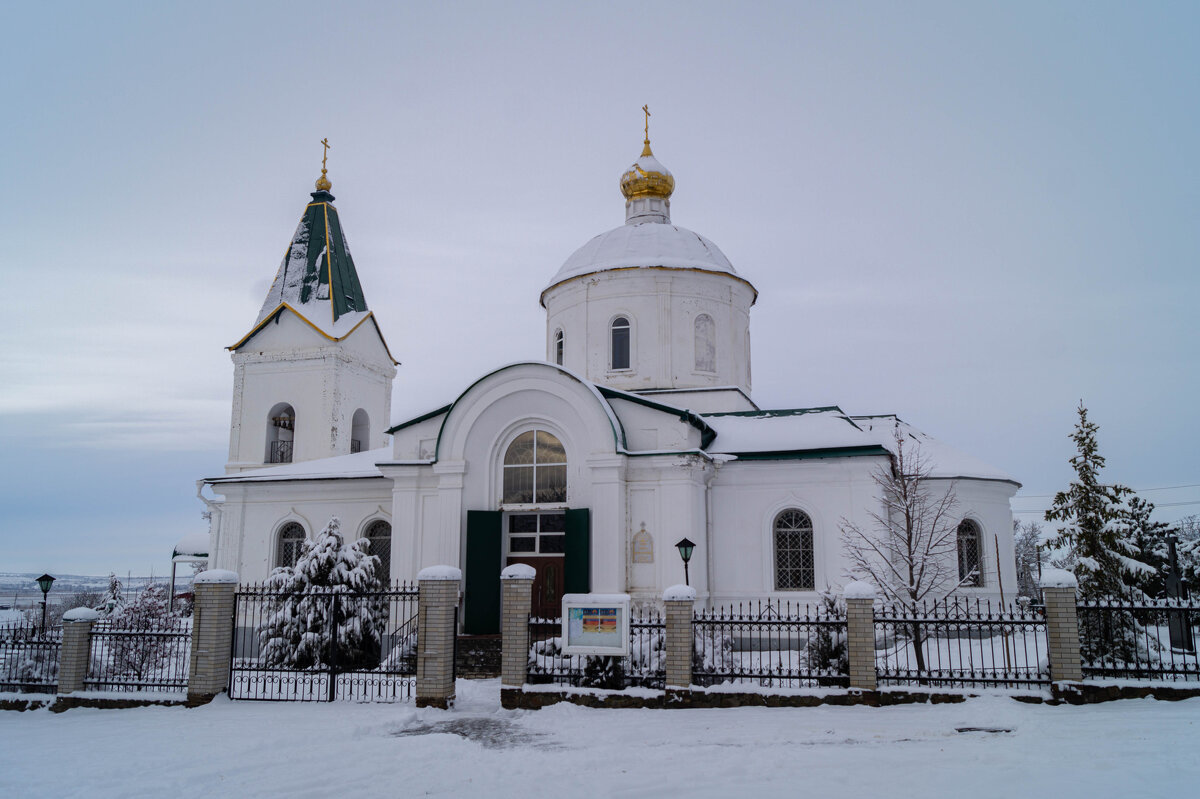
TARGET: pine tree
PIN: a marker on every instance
(114, 599)
(1149, 537)
(328, 612)
(1094, 530)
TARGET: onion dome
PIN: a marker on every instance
(647, 177)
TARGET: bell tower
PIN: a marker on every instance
(313, 376)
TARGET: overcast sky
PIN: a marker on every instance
(969, 215)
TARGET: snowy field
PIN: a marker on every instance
(1135, 748)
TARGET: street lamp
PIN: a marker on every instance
(685, 548)
(44, 582)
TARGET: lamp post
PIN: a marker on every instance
(685, 548)
(44, 582)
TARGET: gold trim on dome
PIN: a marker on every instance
(281, 306)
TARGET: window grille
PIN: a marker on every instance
(794, 562)
(379, 533)
(970, 566)
(291, 539)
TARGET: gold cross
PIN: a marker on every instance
(325, 142)
(646, 108)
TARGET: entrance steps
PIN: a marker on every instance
(478, 656)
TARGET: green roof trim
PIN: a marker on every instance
(811, 454)
(422, 418)
(777, 412)
(707, 434)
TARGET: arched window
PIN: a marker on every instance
(705, 343)
(360, 431)
(794, 563)
(535, 470)
(379, 533)
(281, 433)
(291, 540)
(558, 348)
(619, 352)
(970, 565)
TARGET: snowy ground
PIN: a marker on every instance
(1135, 748)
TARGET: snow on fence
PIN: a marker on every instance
(644, 667)
(1140, 638)
(771, 645)
(29, 657)
(324, 645)
(147, 655)
(960, 642)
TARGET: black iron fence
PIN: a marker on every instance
(324, 645)
(770, 644)
(151, 655)
(29, 657)
(1140, 638)
(645, 666)
(960, 642)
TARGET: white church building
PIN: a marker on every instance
(637, 430)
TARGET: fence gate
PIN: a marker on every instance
(324, 645)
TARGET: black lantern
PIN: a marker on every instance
(44, 582)
(685, 548)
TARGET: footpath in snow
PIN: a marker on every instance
(1133, 748)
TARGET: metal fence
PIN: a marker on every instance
(645, 666)
(151, 655)
(1140, 638)
(960, 642)
(324, 645)
(29, 657)
(770, 644)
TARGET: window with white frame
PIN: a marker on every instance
(970, 549)
(619, 349)
(558, 348)
(289, 544)
(535, 470)
(794, 563)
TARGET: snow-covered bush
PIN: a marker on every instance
(145, 654)
(327, 612)
(113, 599)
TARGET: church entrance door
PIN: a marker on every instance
(538, 539)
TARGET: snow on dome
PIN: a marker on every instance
(518, 571)
(81, 614)
(218, 576)
(647, 178)
(679, 593)
(440, 573)
(1057, 578)
(857, 589)
(645, 245)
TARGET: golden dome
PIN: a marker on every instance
(647, 177)
(323, 183)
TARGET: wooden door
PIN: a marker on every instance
(547, 585)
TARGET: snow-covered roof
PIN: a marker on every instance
(193, 546)
(943, 460)
(645, 245)
(339, 467)
(795, 430)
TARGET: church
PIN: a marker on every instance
(636, 430)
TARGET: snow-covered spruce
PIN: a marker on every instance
(326, 599)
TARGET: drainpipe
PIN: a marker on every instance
(709, 569)
(214, 518)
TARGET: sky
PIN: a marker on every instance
(973, 216)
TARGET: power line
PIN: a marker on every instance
(1159, 505)
(1136, 491)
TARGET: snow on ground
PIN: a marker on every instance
(1133, 748)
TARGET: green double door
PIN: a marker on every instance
(559, 551)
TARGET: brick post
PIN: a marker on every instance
(680, 601)
(76, 649)
(860, 634)
(437, 601)
(516, 599)
(212, 634)
(1062, 625)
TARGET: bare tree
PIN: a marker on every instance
(909, 551)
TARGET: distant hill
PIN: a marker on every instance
(22, 586)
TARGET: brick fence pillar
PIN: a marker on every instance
(437, 602)
(1062, 625)
(516, 599)
(76, 649)
(212, 634)
(680, 601)
(860, 634)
